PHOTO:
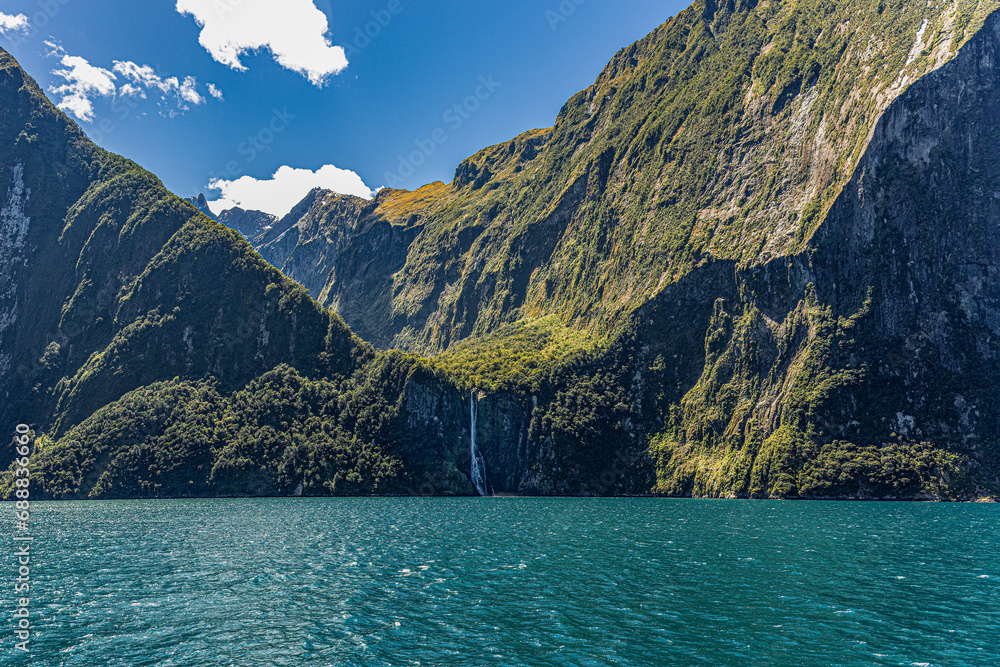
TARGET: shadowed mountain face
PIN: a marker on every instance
(201, 204)
(756, 258)
(250, 224)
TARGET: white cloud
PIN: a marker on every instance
(83, 82)
(143, 77)
(214, 91)
(10, 23)
(295, 32)
(285, 189)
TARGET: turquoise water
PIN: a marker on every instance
(567, 582)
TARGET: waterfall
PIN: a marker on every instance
(477, 472)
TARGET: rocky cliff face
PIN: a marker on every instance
(727, 133)
(307, 242)
(251, 224)
(793, 209)
(13, 255)
(874, 349)
(345, 252)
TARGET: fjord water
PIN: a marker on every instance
(511, 581)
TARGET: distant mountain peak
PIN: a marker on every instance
(251, 224)
(201, 204)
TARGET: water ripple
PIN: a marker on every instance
(506, 581)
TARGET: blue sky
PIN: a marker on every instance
(386, 119)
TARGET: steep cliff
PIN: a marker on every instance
(727, 133)
(789, 209)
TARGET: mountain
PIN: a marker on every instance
(250, 224)
(725, 135)
(802, 192)
(758, 258)
(201, 204)
(151, 350)
(110, 282)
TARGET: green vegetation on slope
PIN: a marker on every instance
(522, 356)
(118, 284)
(277, 436)
(727, 133)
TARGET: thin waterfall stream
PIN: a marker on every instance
(477, 472)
